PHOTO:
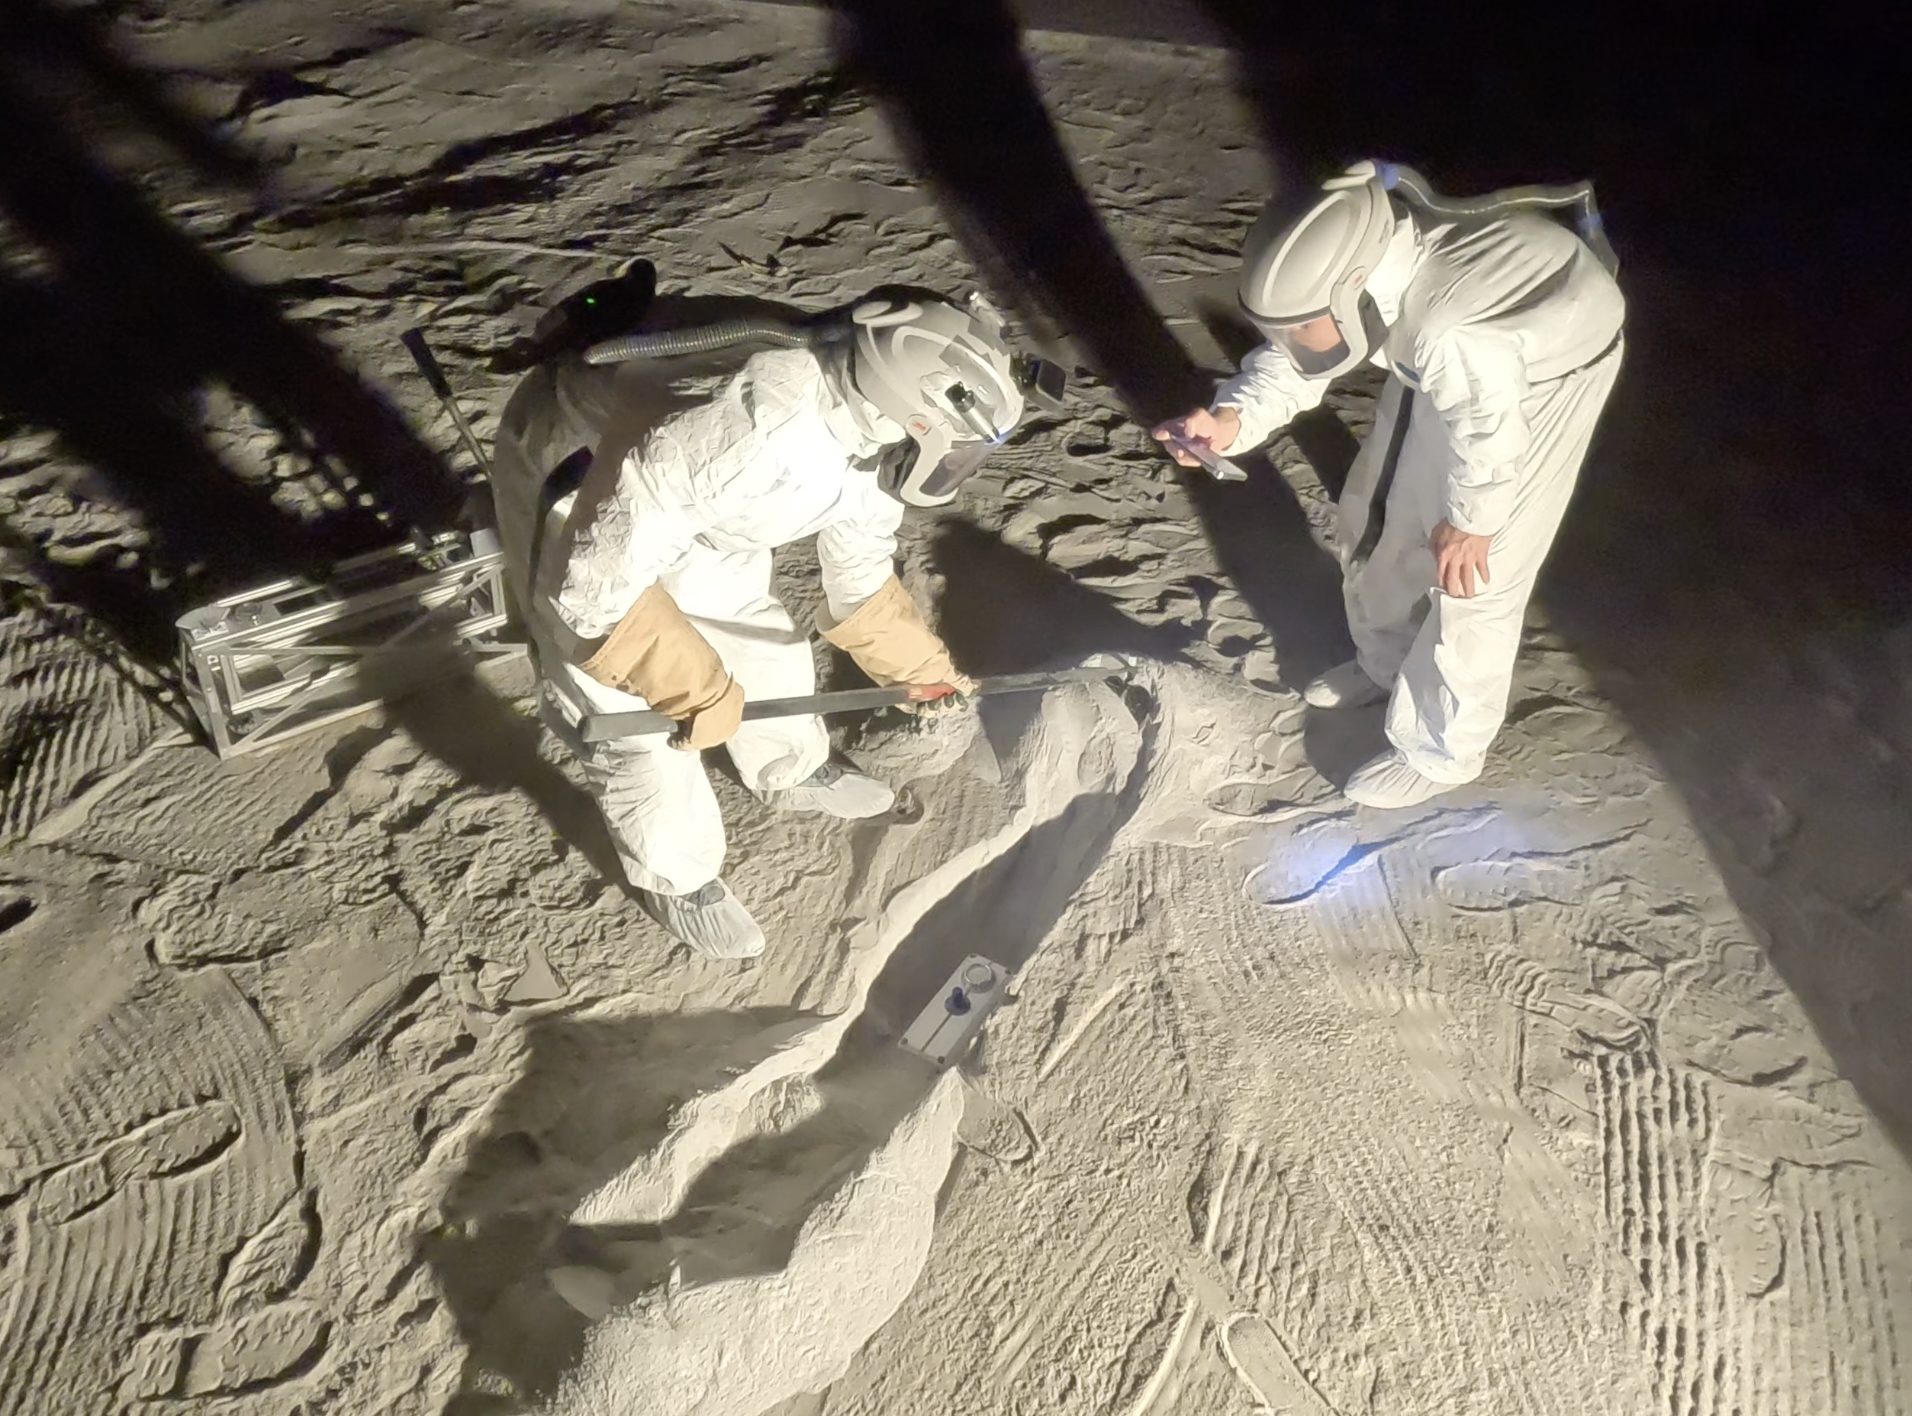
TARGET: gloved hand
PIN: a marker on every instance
(890, 642)
(943, 704)
(655, 653)
(1213, 428)
(712, 726)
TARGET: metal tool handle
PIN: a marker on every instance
(421, 352)
(607, 727)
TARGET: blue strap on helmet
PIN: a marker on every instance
(1593, 230)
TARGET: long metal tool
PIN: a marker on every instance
(421, 352)
(607, 727)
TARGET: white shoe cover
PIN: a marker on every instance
(1388, 781)
(712, 920)
(835, 791)
(1343, 686)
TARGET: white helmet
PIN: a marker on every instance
(945, 374)
(1305, 269)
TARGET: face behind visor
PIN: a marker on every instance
(1305, 269)
(1320, 347)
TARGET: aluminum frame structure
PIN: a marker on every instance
(283, 659)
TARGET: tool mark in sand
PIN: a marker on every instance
(1383, 939)
(1018, 1344)
(1169, 1363)
(996, 1129)
(1392, 1247)
(1657, 1130)
(1819, 1335)
(1079, 1027)
(1210, 1200)
(1847, 1293)
(1258, 1355)
(1247, 1232)
(1369, 925)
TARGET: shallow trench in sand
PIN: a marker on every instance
(1290, 1106)
(747, 1254)
(615, 1190)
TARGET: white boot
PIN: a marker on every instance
(1389, 782)
(712, 920)
(835, 791)
(1344, 686)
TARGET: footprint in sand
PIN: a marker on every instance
(995, 1128)
(175, 1142)
(1527, 985)
(270, 1346)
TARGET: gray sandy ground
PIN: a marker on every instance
(343, 1080)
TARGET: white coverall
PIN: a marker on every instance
(1507, 329)
(698, 505)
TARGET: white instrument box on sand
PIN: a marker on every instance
(945, 1027)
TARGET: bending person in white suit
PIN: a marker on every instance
(651, 584)
(1500, 329)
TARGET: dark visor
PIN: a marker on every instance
(957, 466)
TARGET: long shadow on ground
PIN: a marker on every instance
(126, 319)
(590, 1098)
(594, 1096)
(489, 744)
(1005, 611)
(1737, 578)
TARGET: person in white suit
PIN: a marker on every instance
(657, 591)
(1501, 331)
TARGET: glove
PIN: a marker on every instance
(656, 654)
(944, 704)
(890, 642)
(712, 726)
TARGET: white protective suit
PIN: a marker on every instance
(696, 503)
(1507, 330)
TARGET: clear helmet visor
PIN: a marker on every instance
(1315, 346)
(948, 443)
(1325, 344)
